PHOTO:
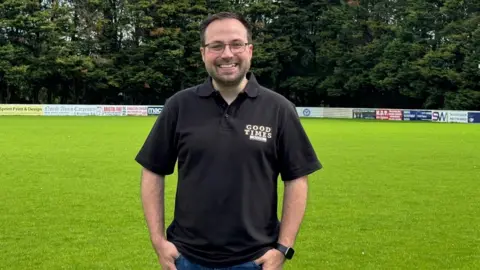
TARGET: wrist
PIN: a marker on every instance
(158, 240)
(286, 241)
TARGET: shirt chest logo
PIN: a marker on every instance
(258, 133)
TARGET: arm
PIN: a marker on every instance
(294, 204)
(157, 157)
(297, 159)
(153, 193)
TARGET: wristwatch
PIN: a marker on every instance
(287, 251)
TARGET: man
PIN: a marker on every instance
(232, 138)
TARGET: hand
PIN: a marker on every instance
(167, 253)
(271, 260)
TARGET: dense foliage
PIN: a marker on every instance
(367, 53)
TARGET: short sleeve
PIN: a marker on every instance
(297, 156)
(159, 151)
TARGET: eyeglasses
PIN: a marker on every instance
(217, 47)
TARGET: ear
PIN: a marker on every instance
(202, 52)
(250, 49)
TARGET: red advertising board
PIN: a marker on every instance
(395, 115)
(381, 114)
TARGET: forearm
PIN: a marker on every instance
(294, 204)
(152, 190)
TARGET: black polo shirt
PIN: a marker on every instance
(229, 160)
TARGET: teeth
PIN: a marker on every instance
(227, 66)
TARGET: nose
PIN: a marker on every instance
(227, 53)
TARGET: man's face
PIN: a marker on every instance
(229, 66)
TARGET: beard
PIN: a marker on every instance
(227, 79)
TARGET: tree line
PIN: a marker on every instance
(355, 53)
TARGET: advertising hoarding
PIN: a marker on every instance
(154, 110)
(474, 117)
(364, 113)
(440, 116)
(310, 111)
(21, 109)
(72, 110)
(137, 110)
(111, 110)
(394, 115)
(416, 115)
(457, 117)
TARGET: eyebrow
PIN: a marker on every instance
(218, 41)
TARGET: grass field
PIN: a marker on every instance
(392, 195)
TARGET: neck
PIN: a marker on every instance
(230, 92)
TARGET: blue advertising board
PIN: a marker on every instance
(474, 117)
(414, 115)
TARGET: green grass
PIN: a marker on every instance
(391, 196)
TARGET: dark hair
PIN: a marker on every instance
(220, 16)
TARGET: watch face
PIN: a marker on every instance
(289, 253)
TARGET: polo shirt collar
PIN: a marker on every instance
(251, 89)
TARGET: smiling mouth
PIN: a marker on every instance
(228, 66)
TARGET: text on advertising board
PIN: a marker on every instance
(440, 116)
(14, 109)
(114, 111)
(364, 113)
(396, 115)
(72, 110)
(137, 110)
(155, 110)
(458, 117)
(413, 115)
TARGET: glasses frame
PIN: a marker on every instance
(245, 44)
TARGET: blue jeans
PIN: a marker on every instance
(183, 264)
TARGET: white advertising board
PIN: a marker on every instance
(137, 110)
(113, 110)
(337, 112)
(310, 111)
(440, 116)
(458, 117)
(71, 110)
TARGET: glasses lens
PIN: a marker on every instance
(219, 47)
(216, 47)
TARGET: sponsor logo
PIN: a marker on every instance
(382, 114)
(154, 110)
(113, 110)
(440, 116)
(306, 112)
(258, 133)
(389, 115)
